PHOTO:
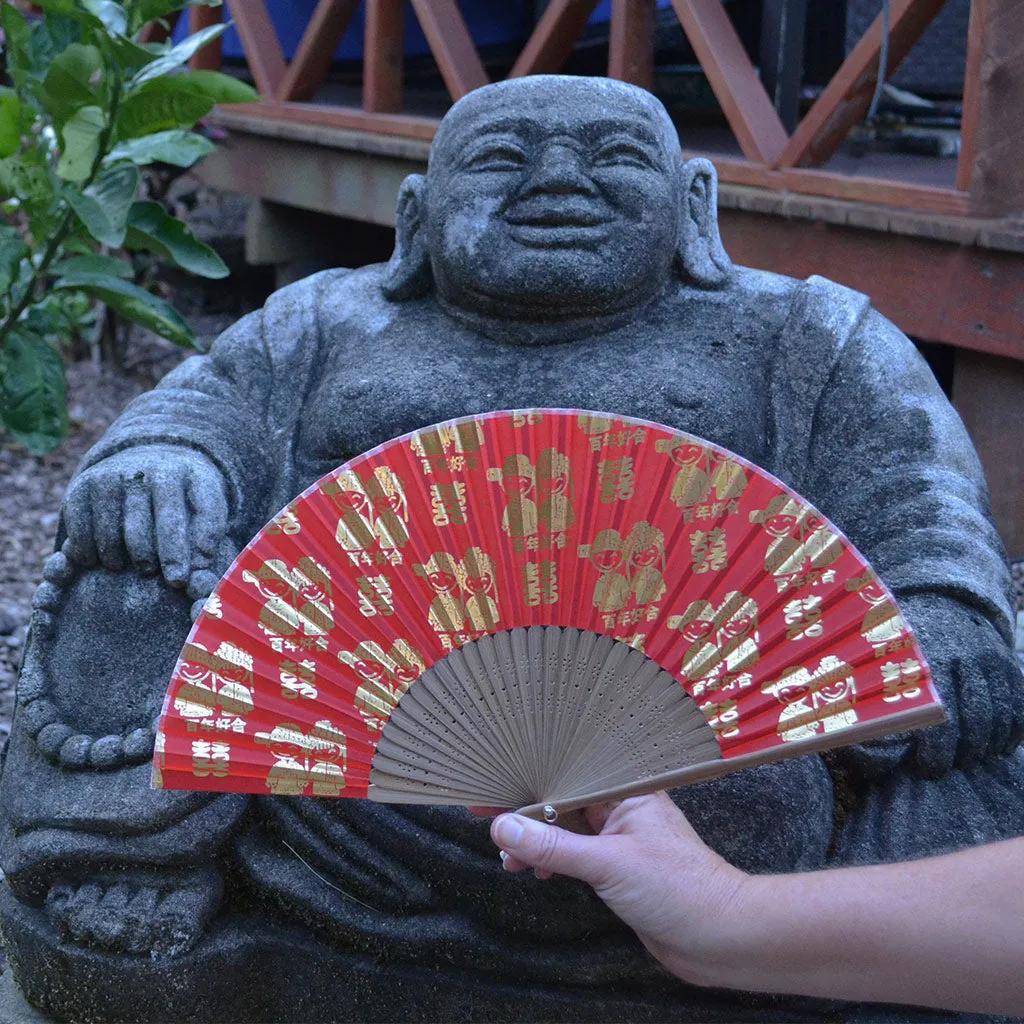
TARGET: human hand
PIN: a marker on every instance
(158, 507)
(650, 867)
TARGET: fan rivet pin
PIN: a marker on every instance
(550, 814)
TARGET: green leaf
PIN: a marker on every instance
(214, 85)
(81, 137)
(134, 303)
(178, 55)
(17, 43)
(150, 10)
(106, 265)
(150, 223)
(10, 122)
(180, 148)
(103, 207)
(110, 13)
(69, 82)
(160, 106)
(32, 392)
(131, 55)
(71, 9)
(12, 251)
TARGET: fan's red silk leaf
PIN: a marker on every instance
(760, 608)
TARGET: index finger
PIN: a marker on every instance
(210, 518)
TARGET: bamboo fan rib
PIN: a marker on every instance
(533, 608)
(537, 715)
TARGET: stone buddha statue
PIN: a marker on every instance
(558, 252)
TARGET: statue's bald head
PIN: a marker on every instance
(554, 198)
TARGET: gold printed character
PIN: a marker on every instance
(373, 509)
(708, 550)
(527, 418)
(287, 523)
(799, 539)
(540, 584)
(296, 600)
(616, 479)
(375, 596)
(723, 717)
(901, 681)
(298, 679)
(803, 618)
(210, 680)
(719, 640)
(210, 758)
(385, 675)
(452, 446)
(822, 701)
(305, 762)
(448, 504)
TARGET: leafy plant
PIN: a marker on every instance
(90, 104)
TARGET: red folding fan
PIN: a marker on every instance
(543, 608)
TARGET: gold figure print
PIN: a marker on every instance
(296, 601)
(883, 626)
(212, 682)
(305, 762)
(814, 702)
(517, 480)
(385, 675)
(606, 555)
(451, 448)
(701, 471)
(722, 643)
(800, 545)
(465, 591)
(373, 511)
(644, 549)
(553, 475)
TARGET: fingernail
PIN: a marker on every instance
(508, 830)
(503, 855)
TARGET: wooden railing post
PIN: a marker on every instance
(383, 54)
(210, 57)
(631, 42)
(553, 38)
(312, 60)
(261, 45)
(994, 111)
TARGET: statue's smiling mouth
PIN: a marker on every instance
(558, 225)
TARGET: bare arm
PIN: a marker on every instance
(945, 932)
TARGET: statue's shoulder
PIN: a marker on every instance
(330, 295)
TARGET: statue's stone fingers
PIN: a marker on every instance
(138, 920)
(209, 506)
(139, 534)
(109, 919)
(107, 521)
(56, 906)
(80, 546)
(171, 516)
(80, 911)
(183, 914)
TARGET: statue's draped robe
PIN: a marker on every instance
(840, 406)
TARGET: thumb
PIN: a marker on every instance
(548, 848)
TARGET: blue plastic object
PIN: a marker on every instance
(489, 23)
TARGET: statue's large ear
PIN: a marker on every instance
(408, 272)
(701, 259)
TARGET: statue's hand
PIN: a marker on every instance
(143, 912)
(156, 507)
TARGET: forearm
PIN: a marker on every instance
(945, 932)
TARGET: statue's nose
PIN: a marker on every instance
(560, 169)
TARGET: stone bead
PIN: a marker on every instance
(106, 752)
(52, 737)
(74, 753)
(58, 570)
(138, 745)
(38, 714)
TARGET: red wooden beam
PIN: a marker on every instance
(157, 32)
(553, 38)
(847, 97)
(972, 96)
(260, 43)
(313, 58)
(733, 79)
(209, 58)
(383, 56)
(451, 45)
(631, 42)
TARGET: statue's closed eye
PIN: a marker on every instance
(496, 156)
(622, 153)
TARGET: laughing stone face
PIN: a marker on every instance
(560, 202)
